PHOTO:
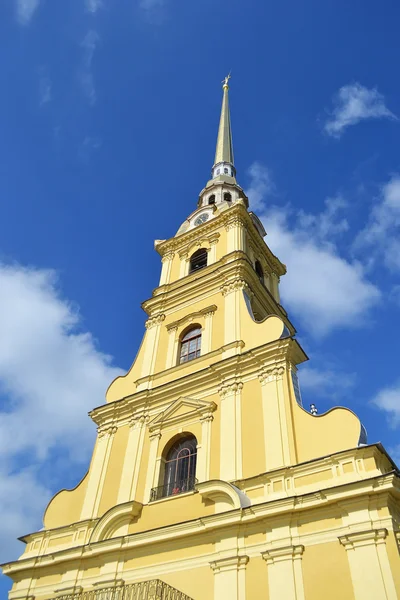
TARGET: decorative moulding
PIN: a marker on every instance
(225, 495)
(174, 414)
(187, 318)
(115, 522)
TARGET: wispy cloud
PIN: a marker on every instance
(44, 414)
(261, 185)
(25, 10)
(89, 145)
(89, 45)
(388, 400)
(354, 103)
(382, 233)
(93, 6)
(326, 382)
(45, 87)
(324, 290)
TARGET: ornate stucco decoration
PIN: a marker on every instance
(225, 495)
(208, 310)
(116, 521)
(182, 410)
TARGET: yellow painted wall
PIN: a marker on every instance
(196, 583)
(393, 551)
(257, 579)
(252, 429)
(326, 573)
(65, 508)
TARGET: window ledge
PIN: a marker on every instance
(172, 497)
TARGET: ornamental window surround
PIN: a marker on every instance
(198, 260)
(178, 474)
(190, 344)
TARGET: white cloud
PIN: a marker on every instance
(151, 4)
(382, 232)
(354, 103)
(45, 87)
(93, 6)
(261, 185)
(25, 10)
(89, 45)
(51, 374)
(388, 400)
(326, 382)
(323, 289)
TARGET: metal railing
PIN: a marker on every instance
(154, 589)
(173, 489)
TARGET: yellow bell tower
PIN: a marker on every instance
(209, 480)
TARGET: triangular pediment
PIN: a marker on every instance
(182, 410)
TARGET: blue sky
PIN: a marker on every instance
(109, 112)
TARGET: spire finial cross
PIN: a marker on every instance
(225, 81)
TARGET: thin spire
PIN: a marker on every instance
(224, 150)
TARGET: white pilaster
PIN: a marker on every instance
(229, 578)
(276, 434)
(130, 470)
(206, 339)
(153, 327)
(204, 449)
(97, 473)
(231, 432)
(166, 267)
(172, 350)
(151, 466)
(285, 575)
(369, 565)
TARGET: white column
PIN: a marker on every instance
(276, 434)
(151, 465)
(231, 432)
(231, 292)
(183, 268)
(369, 565)
(97, 473)
(285, 574)
(204, 449)
(274, 278)
(206, 338)
(212, 254)
(172, 349)
(153, 326)
(229, 578)
(166, 267)
(236, 235)
(131, 467)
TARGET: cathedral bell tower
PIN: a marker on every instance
(209, 480)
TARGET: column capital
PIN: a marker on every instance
(272, 373)
(153, 321)
(230, 389)
(155, 435)
(229, 564)
(273, 555)
(363, 538)
(234, 286)
(232, 222)
(106, 430)
(168, 256)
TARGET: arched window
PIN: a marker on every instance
(190, 344)
(211, 199)
(226, 171)
(198, 260)
(259, 270)
(180, 467)
(218, 171)
(227, 197)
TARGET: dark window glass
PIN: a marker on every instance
(198, 260)
(180, 467)
(259, 270)
(227, 197)
(211, 199)
(190, 345)
(226, 171)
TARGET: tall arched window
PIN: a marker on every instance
(259, 270)
(227, 197)
(211, 199)
(198, 260)
(190, 344)
(180, 467)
